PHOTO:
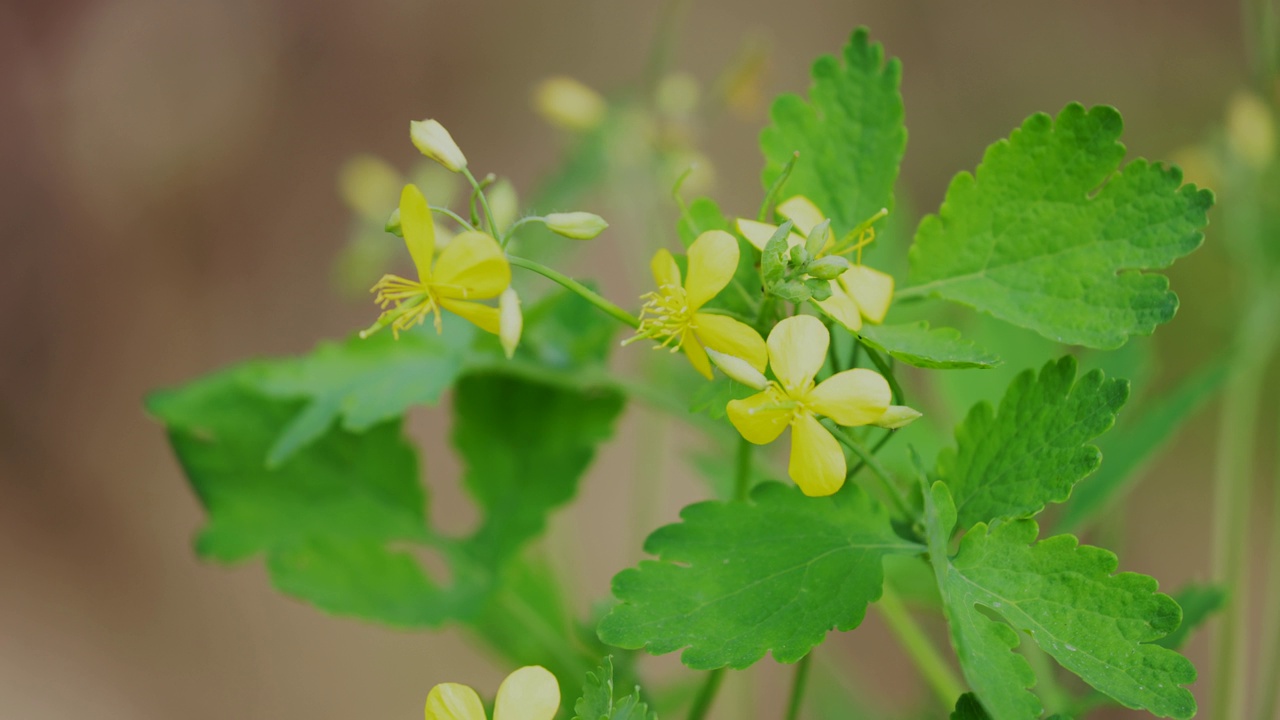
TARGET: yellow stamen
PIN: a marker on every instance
(664, 317)
(413, 301)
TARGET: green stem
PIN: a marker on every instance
(742, 476)
(869, 459)
(456, 217)
(707, 695)
(1269, 687)
(569, 283)
(937, 673)
(484, 203)
(884, 440)
(799, 683)
(1054, 698)
(886, 370)
(771, 197)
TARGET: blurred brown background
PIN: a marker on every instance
(168, 205)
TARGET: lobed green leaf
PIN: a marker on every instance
(598, 703)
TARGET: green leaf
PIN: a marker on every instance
(1050, 235)
(1013, 462)
(968, 708)
(850, 135)
(363, 382)
(1097, 624)
(1128, 450)
(702, 215)
(525, 445)
(916, 344)
(597, 701)
(1199, 603)
(736, 580)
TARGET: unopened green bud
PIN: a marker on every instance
(576, 225)
(735, 368)
(799, 256)
(393, 224)
(828, 268)
(818, 237)
(434, 141)
(897, 416)
(510, 321)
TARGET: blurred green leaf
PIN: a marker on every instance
(916, 344)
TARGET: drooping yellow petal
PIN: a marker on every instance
(697, 356)
(872, 289)
(797, 349)
(762, 417)
(731, 337)
(817, 462)
(419, 231)
(713, 259)
(759, 234)
(484, 317)
(472, 267)
(665, 270)
(842, 308)
(530, 693)
(801, 211)
(851, 398)
(452, 701)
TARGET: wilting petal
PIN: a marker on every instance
(452, 701)
(418, 229)
(872, 289)
(472, 267)
(762, 417)
(713, 259)
(484, 317)
(759, 234)
(797, 349)
(842, 308)
(697, 356)
(817, 462)
(665, 270)
(737, 369)
(851, 398)
(731, 337)
(530, 693)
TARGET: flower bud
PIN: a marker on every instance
(576, 225)
(569, 104)
(897, 416)
(735, 368)
(828, 268)
(434, 141)
(510, 321)
(393, 224)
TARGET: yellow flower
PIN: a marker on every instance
(797, 350)
(671, 316)
(530, 693)
(471, 268)
(860, 292)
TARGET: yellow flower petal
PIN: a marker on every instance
(817, 462)
(797, 349)
(731, 337)
(697, 356)
(842, 308)
(472, 267)
(419, 231)
(510, 321)
(872, 289)
(801, 211)
(713, 259)
(530, 693)
(484, 317)
(759, 234)
(452, 701)
(851, 398)
(665, 270)
(762, 417)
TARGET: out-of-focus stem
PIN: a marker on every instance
(799, 683)
(707, 695)
(937, 673)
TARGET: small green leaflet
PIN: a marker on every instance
(1052, 235)
(1198, 603)
(1013, 462)
(1066, 596)
(736, 580)
(597, 701)
(938, 348)
(850, 135)
(968, 708)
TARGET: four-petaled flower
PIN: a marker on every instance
(797, 348)
(671, 314)
(530, 693)
(472, 267)
(860, 292)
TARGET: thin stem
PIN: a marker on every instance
(799, 683)
(888, 435)
(887, 371)
(937, 673)
(587, 293)
(484, 203)
(1269, 687)
(742, 476)
(456, 217)
(1054, 698)
(511, 231)
(707, 695)
(771, 197)
(895, 494)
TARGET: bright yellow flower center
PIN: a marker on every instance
(413, 301)
(665, 317)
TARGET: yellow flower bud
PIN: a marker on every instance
(510, 321)
(897, 416)
(735, 368)
(567, 103)
(576, 225)
(1251, 132)
(434, 141)
(393, 224)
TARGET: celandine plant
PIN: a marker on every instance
(785, 327)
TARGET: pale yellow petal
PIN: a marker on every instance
(731, 337)
(842, 308)
(472, 267)
(665, 270)
(762, 417)
(530, 693)
(817, 462)
(713, 259)
(851, 398)
(871, 289)
(452, 701)
(756, 233)
(418, 229)
(801, 211)
(737, 369)
(484, 317)
(797, 349)
(697, 356)
(898, 416)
